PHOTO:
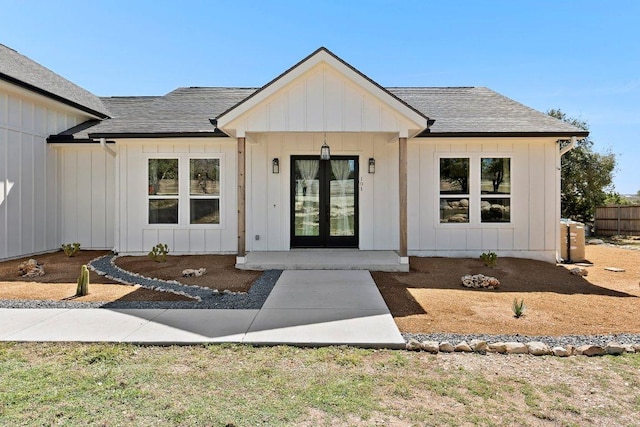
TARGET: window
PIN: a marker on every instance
(454, 190)
(163, 191)
(184, 191)
(495, 187)
(204, 192)
(475, 190)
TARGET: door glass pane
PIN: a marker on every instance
(342, 195)
(307, 198)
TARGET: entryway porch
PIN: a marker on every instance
(324, 259)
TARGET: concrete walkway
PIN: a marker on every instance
(308, 308)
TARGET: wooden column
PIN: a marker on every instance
(402, 143)
(241, 197)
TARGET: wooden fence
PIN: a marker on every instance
(618, 220)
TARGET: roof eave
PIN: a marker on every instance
(53, 96)
(130, 135)
(432, 134)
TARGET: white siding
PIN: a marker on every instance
(28, 185)
(534, 199)
(321, 100)
(133, 233)
(87, 185)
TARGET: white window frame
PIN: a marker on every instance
(475, 195)
(184, 194)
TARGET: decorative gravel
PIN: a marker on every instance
(551, 341)
(206, 298)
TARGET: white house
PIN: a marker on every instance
(419, 171)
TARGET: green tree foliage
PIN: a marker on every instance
(587, 176)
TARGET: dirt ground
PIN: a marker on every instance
(59, 282)
(428, 299)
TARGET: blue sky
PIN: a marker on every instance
(580, 56)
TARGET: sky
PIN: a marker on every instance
(582, 57)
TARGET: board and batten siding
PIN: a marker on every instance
(87, 188)
(535, 199)
(28, 170)
(269, 195)
(134, 235)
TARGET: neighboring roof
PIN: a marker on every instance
(475, 111)
(22, 71)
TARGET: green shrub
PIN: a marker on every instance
(490, 259)
(71, 249)
(159, 252)
(518, 308)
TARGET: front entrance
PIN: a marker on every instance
(324, 202)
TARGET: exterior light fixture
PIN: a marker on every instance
(372, 165)
(275, 165)
(325, 151)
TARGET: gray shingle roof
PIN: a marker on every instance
(20, 70)
(478, 110)
(457, 110)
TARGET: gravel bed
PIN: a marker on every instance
(206, 298)
(551, 341)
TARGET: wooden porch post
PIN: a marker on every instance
(402, 142)
(241, 197)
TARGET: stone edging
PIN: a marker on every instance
(128, 278)
(535, 348)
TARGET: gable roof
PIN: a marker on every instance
(324, 55)
(22, 71)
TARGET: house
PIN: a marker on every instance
(320, 157)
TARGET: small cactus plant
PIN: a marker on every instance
(71, 249)
(518, 308)
(159, 252)
(83, 282)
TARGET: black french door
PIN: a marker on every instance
(324, 202)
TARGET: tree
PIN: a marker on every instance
(587, 176)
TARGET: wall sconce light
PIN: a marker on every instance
(372, 165)
(325, 151)
(275, 165)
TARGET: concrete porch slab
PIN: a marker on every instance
(324, 259)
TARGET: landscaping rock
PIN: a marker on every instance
(31, 268)
(480, 281)
(414, 345)
(579, 271)
(497, 347)
(629, 348)
(516, 348)
(479, 346)
(430, 346)
(595, 242)
(636, 347)
(538, 348)
(190, 272)
(590, 350)
(614, 348)
(463, 347)
(560, 352)
(446, 347)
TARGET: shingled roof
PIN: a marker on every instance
(458, 111)
(22, 71)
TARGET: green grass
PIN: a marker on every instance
(113, 384)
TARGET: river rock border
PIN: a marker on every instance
(535, 348)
